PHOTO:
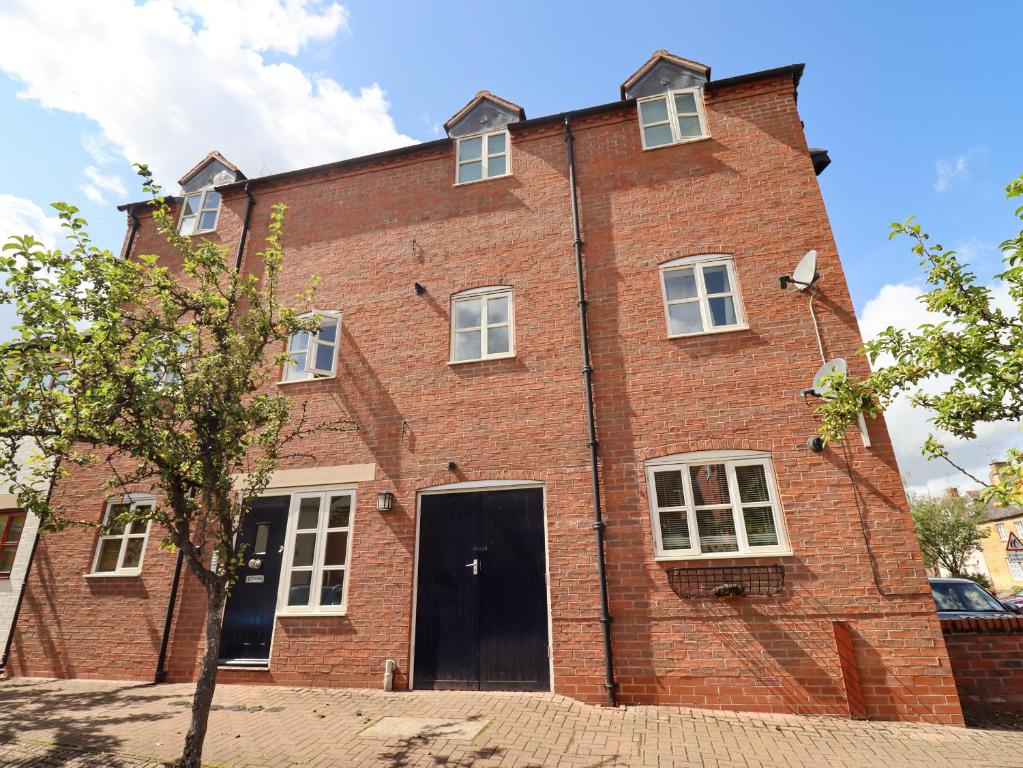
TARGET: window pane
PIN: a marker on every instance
(752, 484)
(685, 102)
(7, 559)
(212, 201)
(497, 310)
(674, 530)
(760, 527)
(191, 206)
(717, 530)
(668, 486)
(467, 345)
(188, 225)
(340, 511)
(336, 551)
(468, 313)
(653, 111)
(685, 318)
(715, 279)
(109, 550)
(333, 588)
(689, 127)
(114, 524)
(658, 136)
(18, 523)
(324, 358)
(470, 172)
(680, 284)
(298, 341)
(305, 544)
(495, 143)
(498, 341)
(296, 367)
(328, 330)
(710, 484)
(133, 552)
(722, 311)
(298, 591)
(308, 513)
(497, 166)
(470, 149)
(262, 536)
(138, 526)
(208, 220)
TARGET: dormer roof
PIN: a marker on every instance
(205, 172)
(485, 112)
(664, 71)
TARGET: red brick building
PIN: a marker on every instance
(744, 570)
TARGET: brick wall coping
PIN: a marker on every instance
(1009, 626)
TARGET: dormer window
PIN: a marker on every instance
(672, 118)
(199, 212)
(484, 156)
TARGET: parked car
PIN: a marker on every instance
(1015, 600)
(965, 599)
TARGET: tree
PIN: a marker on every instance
(948, 529)
(158, 370)
(966, 369)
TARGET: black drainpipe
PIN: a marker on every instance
(598, 522)
(24, 585)
(245, 225)
(131, 233)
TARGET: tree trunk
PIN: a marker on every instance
(191, 755)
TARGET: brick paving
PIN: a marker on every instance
(89, 724)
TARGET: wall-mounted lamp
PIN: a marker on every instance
(385, 500)
(452, 466)
(420, 289)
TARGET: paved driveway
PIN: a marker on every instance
(139, 725)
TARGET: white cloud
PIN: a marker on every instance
(899, 306)
(99, 183)
(19, 216)
(950, 172)
(166, 81)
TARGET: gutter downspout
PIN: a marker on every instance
(598, 522)
(245, 225)
(131, 233)
(161, 672)
(21, 592)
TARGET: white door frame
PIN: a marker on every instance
(472, 487)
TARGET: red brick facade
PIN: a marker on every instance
(373, 229)
(987, 659)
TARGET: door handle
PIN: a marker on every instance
(475, 565)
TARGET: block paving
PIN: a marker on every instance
(88, 724)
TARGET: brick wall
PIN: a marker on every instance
(373, 230)
(987, 661)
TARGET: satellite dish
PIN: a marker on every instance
(837, 366)
(805, 273)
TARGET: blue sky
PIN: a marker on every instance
(919, 106)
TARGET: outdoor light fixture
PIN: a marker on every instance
(420, 289)
(385, 500)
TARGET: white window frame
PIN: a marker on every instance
(676, 134)
(1018, 525)
(698, 264)
(1014, 560)
(1003, 533)
(485, 155)
(134, 500)
(202, 194)
(731, 460)
(317, 568)
(485, 295)
(313, 374)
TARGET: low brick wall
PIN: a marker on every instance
(987, 662)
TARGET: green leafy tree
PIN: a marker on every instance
(965, 369)
(948, 529)
(158, 371)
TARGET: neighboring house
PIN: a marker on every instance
(453, 534)
(17, 532)
(1002, 548)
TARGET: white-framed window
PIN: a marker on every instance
(715, 504)
(199, 212)
(482, 324)
(317, 553)
(1003, 533)
(1018, 525)
(313, 354)
(672, 118)
(122, 541)
(1015, 563)
(484, 156)
(701, 295)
